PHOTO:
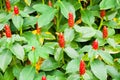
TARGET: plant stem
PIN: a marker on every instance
(91, 3)
(80, 4)
(43, 1)
(59, 0)
(21, 31)
(101, 23)
(58, 20)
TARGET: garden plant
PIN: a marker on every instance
(59, 39)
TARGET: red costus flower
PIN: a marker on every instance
(16, 10)
(95, 45)
(70, 20)
(82, 67)
(50, 3)
(8, 6)
(105, 32)
(8, 31)
(61, 40)
(44, 78)
(102, 13)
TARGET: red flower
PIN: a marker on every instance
(102, 13)
(8, 31)
(16, 10)
(61, 40)
(50, 3)
(105, 32)
(82, 67)
(44, 78)
(37, 28)
(70, 20)
(95, 45)
(8, 6)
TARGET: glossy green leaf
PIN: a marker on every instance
(111, 42)
(18, 51)
(17, 21)
(1, 76)
(28, 2)
(1, 26)
(72, 53)
(42, 21)
(48, 36)
(69, 35)
(39, 76)
(58, 54)
(104, 4)
(66, 7)
(8, 74)
(49, 65)
(74, 77)
(27, 73)
(106, 57)
(87, 17)
(73, 66)
(5, 58)
(112, 71)
(99, 70)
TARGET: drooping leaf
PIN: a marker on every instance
(27, 73)
(99, 70)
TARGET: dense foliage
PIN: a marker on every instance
(59, 40)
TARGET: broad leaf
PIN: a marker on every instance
(27, 73)
(49, 65)
(66, 8)
(72, 53)
(5, 58)
(74, 77)
(58, 54)
(28, 2)
(73, 66)
(18, 51)
(99, 70)
(111, 42)
(8, 75)
(17, 21)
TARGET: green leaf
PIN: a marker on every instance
(49, 65)
(111, 42)
(73, 66)
(71, 52)
(48, 35)
(58, 54)
(113, 72)
(28, 2)
(42, 21)
(106, 57)
(74, 77)
(5, 58)
(27, 73)
(33, 57)
(16, 71)
(87, 17)
(69, 35)
(18, 51)
(66, 7)
(1, 26)
(17, 21)
(99, 69)
(39, 76)
(42, 8)
(8, 75)
(1, 76)
(104, 4)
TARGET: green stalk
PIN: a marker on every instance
(21, 31)
(43, 1)
(58, 20)
(91, 2)
(101, 23)
(80, 4)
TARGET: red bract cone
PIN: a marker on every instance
(95, 45)
(50, 3)
(44, 78)
(105, 32)
(102, 13)
(8, 31)
(70, 20)
(82, 67)
(16, 10)
(8, 6)
(61, 40)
